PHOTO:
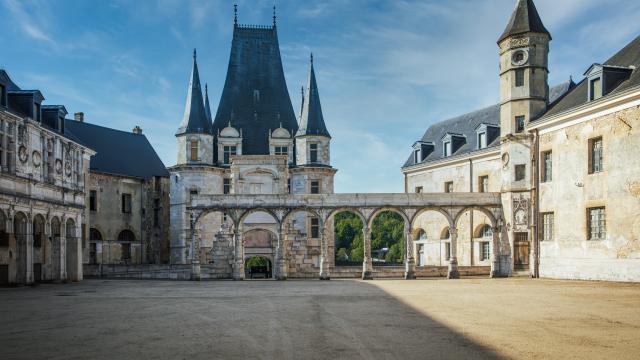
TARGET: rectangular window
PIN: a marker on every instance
(596, 89)
(448, 187)
(520, 123)
(313, 153)
(547, 226)
(447, 250)
(547, 168)
(289, 185)
(194, 150)
(446, 150)
(597, 225)
(315, 228)
(595, 156)
(519, 77)
(485, 250)
(482, 140)
(521, 172)
(228, 151)
(126, 203)
(315, 187)
(282, 150)
(93, 200)
(226, 186)
(483, 184)
(418, 189)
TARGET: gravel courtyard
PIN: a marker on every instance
(422, 319)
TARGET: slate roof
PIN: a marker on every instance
(117, 152)
(628, 56)
(207, 108)
(524, 19)
(466, 125)
(195, 119)
(311, 119)
(255, 64)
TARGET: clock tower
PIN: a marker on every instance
(524, 96)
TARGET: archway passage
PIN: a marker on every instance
(258, 267)
(40, 247)
(388, 239)
(348, 239)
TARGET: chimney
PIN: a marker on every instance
(79, 116)
(137, 130)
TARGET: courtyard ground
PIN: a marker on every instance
(393, 319)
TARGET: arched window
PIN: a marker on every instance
(422, 235)
(94, 234)
(126, 235)
(445, 235)
(485, 231)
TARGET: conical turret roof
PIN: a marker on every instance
(195, 119)
(207, 108)
(524, 19)
(311, 119)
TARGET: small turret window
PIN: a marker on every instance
(313, 153)
(519, 77)
(194, 150)
(520, 124)
(228, 152)
(282, 150)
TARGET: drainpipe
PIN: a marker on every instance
(535, 200)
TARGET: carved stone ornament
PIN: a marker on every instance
(22, 154)
(67, 168)
(521, 42)
(521, 212)
(58, 166)
(35, 158)
(505, 160)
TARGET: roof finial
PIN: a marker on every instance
(274, 15)
(235, 14)
(311, 58)
(194, 53)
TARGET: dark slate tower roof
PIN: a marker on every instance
(524, 19)
(195, 118)
(207, 108)
(311, 119)
(255, 98)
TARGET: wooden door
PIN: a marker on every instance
(521, 251)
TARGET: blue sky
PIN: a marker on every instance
(385, 69)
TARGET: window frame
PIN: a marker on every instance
(482, 136)
(93, 200)
(314, 187)
(448, 187)
(523, 174)
(227, 152)
(601, 232)
(226, 186)
(314, 228)
(126, 203)
(446, 148)
(546, 166)
(419, 189)
(519, 77)
(547, 231)
(482, 186)
(485, 250)
(193, 150)
(596, 167)
(313, 153)
(595, 83)
(519, 124)
(281, 150)
(447, 250)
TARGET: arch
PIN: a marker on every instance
(291, 212)
(259, 170)
(126, 235)
(380, 210)
(56, 226)
(20, 223)
(268, 243)
(355, 211)
(483, 231)
(255, 210)
(445, 234)
(204, 214)
(38, 230)
(70, 227)
(483, 210)
(56, 251)
(440, 210)
(95, 234)
(420, 235)
(258, 266)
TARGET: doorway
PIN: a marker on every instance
(521, 251)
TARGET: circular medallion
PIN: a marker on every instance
(67, 168)
(519, 57)
(22, 154)
(59, 166)
(505, 159)
(35, 157)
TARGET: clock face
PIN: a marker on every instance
(519, 57)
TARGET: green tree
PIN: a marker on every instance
(342, 255)
(348, 235)
(387, 231)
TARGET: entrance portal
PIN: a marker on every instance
(521, 251)
(258, 267)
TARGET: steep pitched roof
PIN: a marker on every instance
(311, 119)
(195, 119)
(117, 152)
(255, 96)
(465, 125)
(628, 56)
(524, 19)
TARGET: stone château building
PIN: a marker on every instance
(43, 179)
(561, 157)
(254, 144)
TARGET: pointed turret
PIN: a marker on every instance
(207, 108)
(195, 119)
(311, 119)
(525, 19)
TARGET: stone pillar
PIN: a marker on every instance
(63, 249)
(409, 261)
(495, 253)
(238, 256)
(29, 252)
(453, 260)
(367, 264)
(325, 272)
(195, 250)
(281, 265)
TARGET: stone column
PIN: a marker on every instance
(238, 256)
(453, 260)
(63, 248)
(325, 272)
(409, 261)
(195, 250)
(29, 251)
(281, 265)
(495, 253)
(367, 264)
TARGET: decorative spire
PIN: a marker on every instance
(235, 14)
(207, 108)
(524, 19)
(195, 119)
(311, 119)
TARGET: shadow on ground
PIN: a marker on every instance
(192, 320)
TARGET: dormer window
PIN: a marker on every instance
(595, 89)
(228, 152)
(486, 134)
(281, 150)
(451, 142)
(603, 79)
(421, 149)
(416, 156)
(36, 112)
(446, 148)
(482, 140)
